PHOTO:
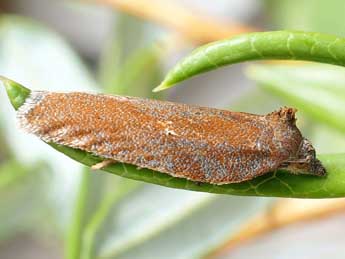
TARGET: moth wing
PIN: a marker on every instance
(195, 143)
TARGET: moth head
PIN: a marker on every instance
(307, 152)
(305, 161)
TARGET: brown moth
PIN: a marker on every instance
(196, 143)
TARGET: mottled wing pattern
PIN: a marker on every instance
(200, 144)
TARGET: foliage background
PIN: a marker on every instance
(51, 207)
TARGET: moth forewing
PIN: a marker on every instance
(197, 143)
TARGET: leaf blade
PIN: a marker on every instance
(297, 45)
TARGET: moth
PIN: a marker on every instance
(197, 143)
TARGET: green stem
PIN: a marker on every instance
(74, 237)
(94, 226)
(295, 45)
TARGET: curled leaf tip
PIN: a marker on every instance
(15, 91)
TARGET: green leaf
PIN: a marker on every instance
(278, 184)
(315, 89)
(16, 92)
(321, 16)
(258, 46)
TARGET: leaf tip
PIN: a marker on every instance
(161, 87)
(4, 80)
(15, 91)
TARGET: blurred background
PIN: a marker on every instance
(51, 207)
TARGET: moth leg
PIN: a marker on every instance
(103, 164)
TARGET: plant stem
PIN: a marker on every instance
(73, 242)
(95, 224)
(198, 28)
